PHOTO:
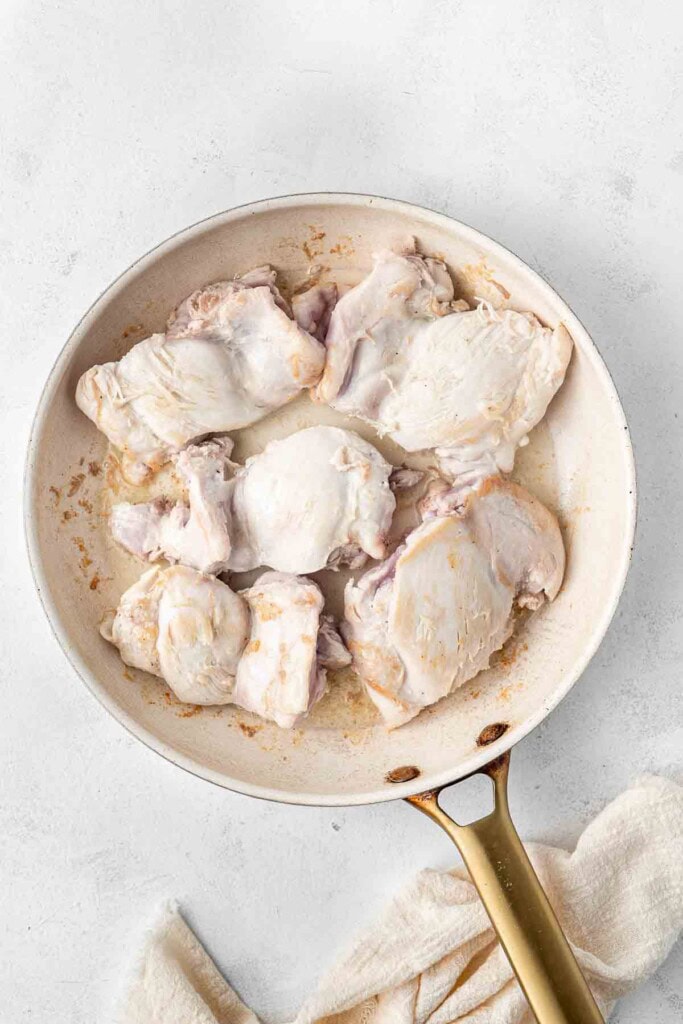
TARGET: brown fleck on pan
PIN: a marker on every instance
(579, 462)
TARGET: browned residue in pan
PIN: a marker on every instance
(95, 582)
(56, 494)
(355, 697)
(249, 730)
(312, 247)
(189, 712)
(75, 484)
(405, 773)
(508, 655)
(311, 280)
(344, 247)
(491, 733)
(506, 693)
(85, 561)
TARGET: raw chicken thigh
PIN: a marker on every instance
(186, 627)
(316, 498)
(280, 675)
(230, 356)
(430, 617)
(469, 383)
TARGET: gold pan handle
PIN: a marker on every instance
(518, 907)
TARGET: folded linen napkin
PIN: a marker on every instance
(433, 956)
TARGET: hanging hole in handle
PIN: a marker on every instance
(469, 800)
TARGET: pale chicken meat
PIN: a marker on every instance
(372, 323)
(231, 355)
(266, 649)
(429, 618)
(470, 383)
(312, 308)
(282, 672)
(332, 651)
(193, 532)
(317, 498)
(320, 497)
(186, 627)
(202, 312)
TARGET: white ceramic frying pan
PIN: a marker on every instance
(579, 462)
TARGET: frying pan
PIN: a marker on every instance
(579, 462)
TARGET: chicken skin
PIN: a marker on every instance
(231, 355)
(469, 383)
(429, 618)
(320, 497)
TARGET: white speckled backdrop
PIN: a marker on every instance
(554, 127)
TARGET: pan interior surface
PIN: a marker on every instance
(579, 462)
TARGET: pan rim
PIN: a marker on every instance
(329, 799)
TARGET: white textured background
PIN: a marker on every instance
(557, 128)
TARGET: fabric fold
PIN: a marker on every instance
(433, 957)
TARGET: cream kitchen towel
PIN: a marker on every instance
(433, 957)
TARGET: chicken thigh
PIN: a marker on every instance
(194, 533)
(429, 618)
(320, 497)
(372, 323)
(469, 383)
(281, 674)
(267, 649)
(317, 498)
(231, 355)
(186, 627)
